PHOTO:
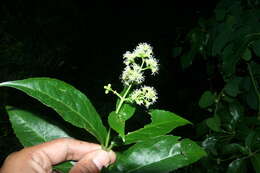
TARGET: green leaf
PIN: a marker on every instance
(222, 38)
(232, 86)
(230, 60)
(117, 123)
(64, 167)
(237, 166)
(162, 154)
(162, 123)
(32, 129)
(250, 139)
(201, 128)
(207, 99)
(209, 144)
(214, 123)
(186, 59)
(247, 55)
(127, 111)
(255, 160)
(232, 149)
(236, 112)
(72, 105)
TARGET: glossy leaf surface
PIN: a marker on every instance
(162, 123)
(31, 130)
(117, 123)
(72, 105)
(126, 111)
(159, 155)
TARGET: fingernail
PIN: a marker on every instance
(101, 159)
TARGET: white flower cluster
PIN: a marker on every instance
(137, 62)
(144, 96)
(133, 72)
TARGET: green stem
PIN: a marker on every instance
(117, 94)
(107, 139)
(255, 87)
(122, 99)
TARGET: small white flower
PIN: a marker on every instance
(132, 74)
(129, 58)
(152, 63)
(144, 96)
(143, 50)
(136, 67)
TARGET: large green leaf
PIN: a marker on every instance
(72, 105)
(31, 130)
(256, 162)
(158, 155)
(162, 123)
(117, 123)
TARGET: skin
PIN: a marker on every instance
(40, 158)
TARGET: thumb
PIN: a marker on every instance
(94, 161)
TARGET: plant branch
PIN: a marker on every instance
(122, 99)
(255, 87)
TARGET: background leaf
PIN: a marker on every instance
(72, 105)
(255, 160)
(214, 123)
(247, 55)
(31, 130)
(207, 99)
(162, 154)
(162, 123)
(232, 86)
(237, 166)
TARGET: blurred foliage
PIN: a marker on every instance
(229, 45)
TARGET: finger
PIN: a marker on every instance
(63, 149)
(94, 161)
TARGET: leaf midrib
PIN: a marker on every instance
(43, 93)
(29, 127)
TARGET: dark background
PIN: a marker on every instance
(82, 43)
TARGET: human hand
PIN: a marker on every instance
(40, 158)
